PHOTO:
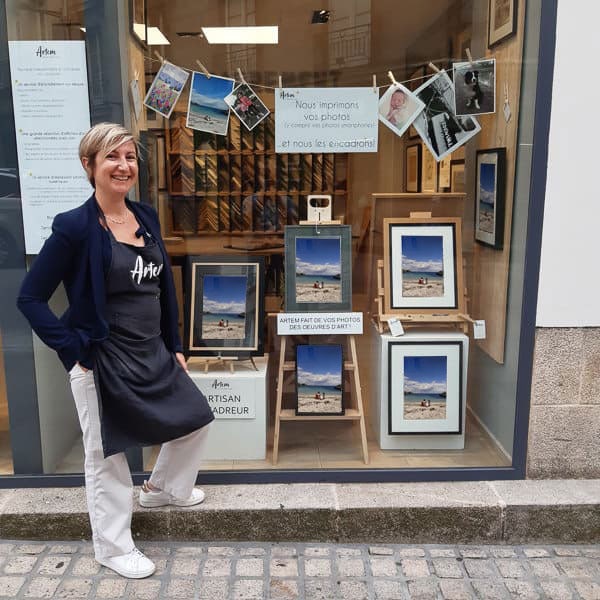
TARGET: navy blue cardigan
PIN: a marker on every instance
(75, 254)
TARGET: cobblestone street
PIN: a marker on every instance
(244, 571)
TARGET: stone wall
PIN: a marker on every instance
(564, 425)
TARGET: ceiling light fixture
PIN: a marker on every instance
(320, 16)
(241, 35)
(156, 37)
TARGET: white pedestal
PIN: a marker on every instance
(379, 404)
(239, 401)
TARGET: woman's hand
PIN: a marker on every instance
(181, 360)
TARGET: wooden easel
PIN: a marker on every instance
(212, 361)
(354, 413)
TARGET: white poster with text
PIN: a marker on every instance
(50, 97)
(315, 120)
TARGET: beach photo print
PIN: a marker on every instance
(319, 379)
(438, 125)
(475, 87)
(224, 305)
(420, 264)
(489, 197)
(166, 89)
(247, 106)
(317, 270)
(398, 108)
(207, 109)
(425, 387)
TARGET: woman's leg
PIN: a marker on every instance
(177, 464)
(108, 484)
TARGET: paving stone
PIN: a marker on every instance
(353, 590)
(413, 568)
(144, 589)
(479, 569)
(423, 589)
(447, 568)
(63, 549)
(42, 587)
(319, 589)
(252, 551)
(111, 588)
(522, 590)
(160, 564)
(442, 552)
(383, 567)
(248, 589)
(316, 551)
(380, 551)
(30, 549)
(191, 566)
(351, 567)
(543, 567)
(249, 567)
(388, 589)
(186, 551)
(181, 588)
(566, 551)
(588, 590)
(473, 552)
(53, 565)
(213, 589)
(489, 590)
(215, 567)
(284, 567)
(86, 565)
(510, 567)
(221, 550)
(19, 565)
(10, 586)
(74, 588)
(317, 567)
(6, 549)
(578, 567)
(535, 552)
(409, 552)
(349, 552)
(283, 551)
(283, 589)
(502, 552)
(455, 590)
(556, 590)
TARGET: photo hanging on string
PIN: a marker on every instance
(475, 87)
(166, 89)
(207, 110)
(438, 125)
(247, 106)
(398, 108)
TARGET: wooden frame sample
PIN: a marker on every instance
(502, 21)
(412, 167)
(428, 172)
(224, 305)
(415, 80)
(423, 265)
(490, 197)
(318, 268)
(425, 388)
(319, 379)
(457, 176)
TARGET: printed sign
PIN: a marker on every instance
(230, 398)
(315, 120)
(350, 323)
(50, 96)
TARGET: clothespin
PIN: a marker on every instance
(469, 55)
(392, 78)
(374, 82)
(241, 75)
(203, 69)
(506, 109)
(433, 67)
(162, 60)
(280, 81)
(136, 75)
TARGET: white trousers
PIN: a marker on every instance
(108, 484)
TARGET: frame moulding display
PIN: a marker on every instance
(412, 167)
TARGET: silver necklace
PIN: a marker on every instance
(120, 221)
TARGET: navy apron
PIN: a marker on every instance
(145, 396)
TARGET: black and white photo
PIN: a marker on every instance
(247, 106)
(438, 125)
(475, 87)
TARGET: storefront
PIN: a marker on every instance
(382, 331)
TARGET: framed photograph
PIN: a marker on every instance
(425, 388)
(224, 305)
(412, 167)
(428, 173)
(490, 197)
(444, 175)
(457, 176)
(319, 379)
(502, 21)
(166, 89)
(438, 125)
(475, 87)
(247, 106)
(398, 108)
(207, 109)
(138, 24)
(415, 79)
(422, 265)
(318, 268)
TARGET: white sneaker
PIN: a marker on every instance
(151, 499)
(134, 565)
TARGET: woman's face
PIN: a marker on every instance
(398, 99)
(116, 172)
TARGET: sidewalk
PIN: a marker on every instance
(245, 571)
(499, 512)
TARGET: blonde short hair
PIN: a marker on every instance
(101, 140)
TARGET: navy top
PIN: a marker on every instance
(78, 254)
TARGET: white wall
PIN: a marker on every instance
(569, 293)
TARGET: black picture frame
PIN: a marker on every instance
(326, 356)
(341, 233)
(410, 149)
(509, 29)
(197, 326)
(138, 15)
(486, 233)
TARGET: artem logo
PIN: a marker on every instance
(41, 51)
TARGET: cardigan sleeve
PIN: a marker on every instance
(47, 271)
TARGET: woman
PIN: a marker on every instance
(119, 341)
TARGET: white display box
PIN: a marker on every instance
(379, 410)
(239, 401)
